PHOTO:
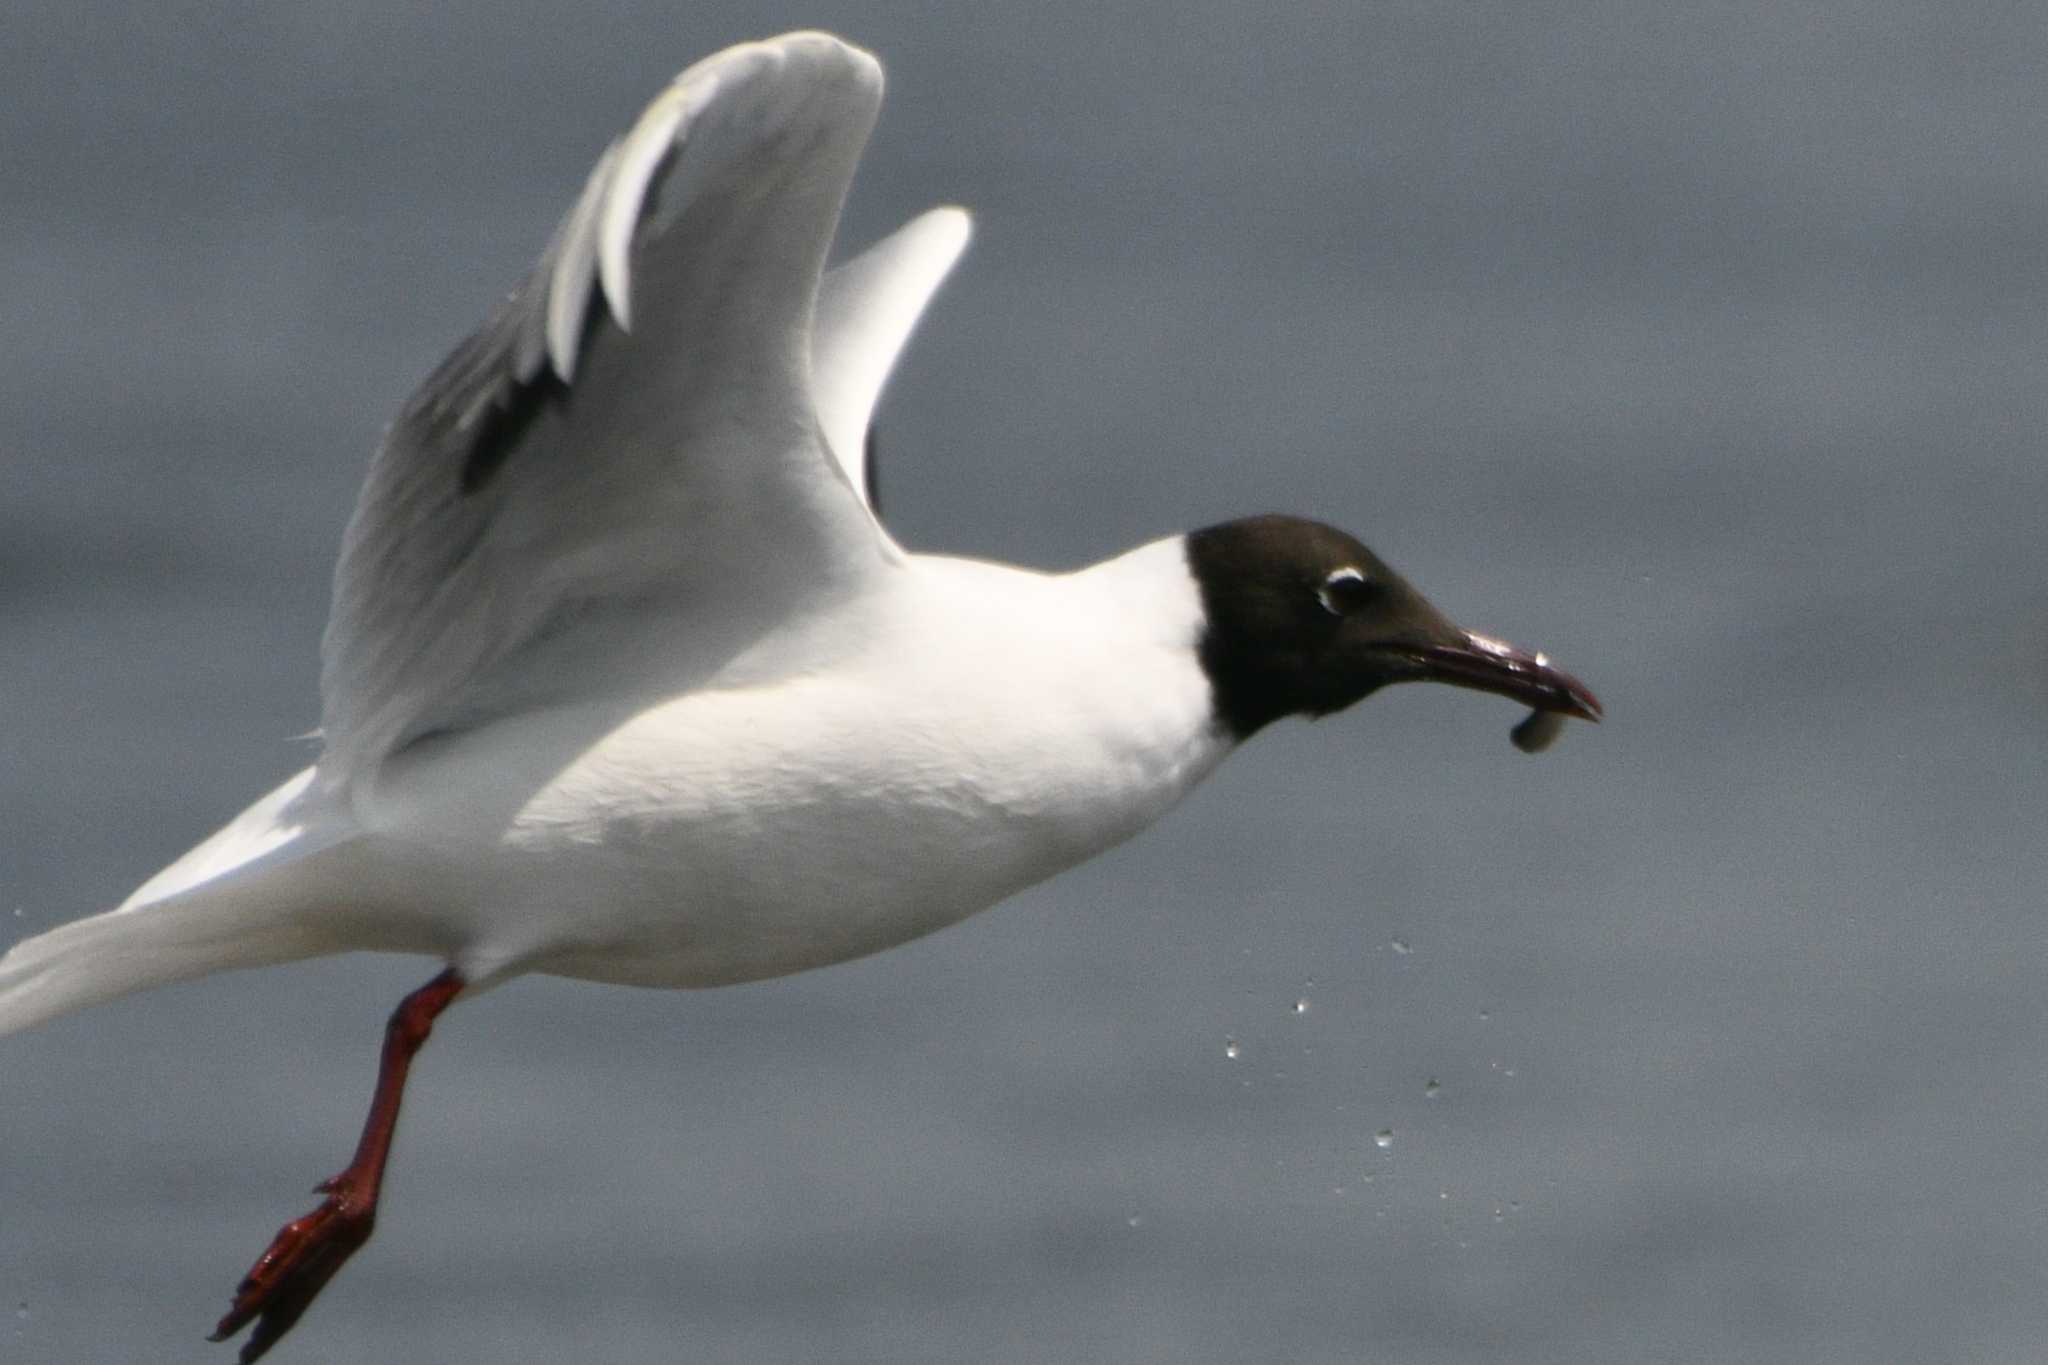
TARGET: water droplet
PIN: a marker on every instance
(1337, 1190)
(1400, 946)
(1383, 1139)
(1443, 1193)
(1134, 1220)
(1231, 1049)
(1485, 1015)
(1301, 1005)
(1430, 1089)
(1500, 1215)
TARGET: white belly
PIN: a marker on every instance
(733, 834)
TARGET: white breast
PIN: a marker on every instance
(867, 779)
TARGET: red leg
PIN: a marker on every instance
(306, 1252)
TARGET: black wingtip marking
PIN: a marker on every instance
(505, 422)
(870, 475)
(515, 404)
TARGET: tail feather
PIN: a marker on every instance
(228, 903)
(91, 961)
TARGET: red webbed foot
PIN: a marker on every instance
(296, 1266)
(307, 1251)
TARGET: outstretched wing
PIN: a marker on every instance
(867, 309)
(633, 435)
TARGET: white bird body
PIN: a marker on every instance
(625, 681)
(838, 788)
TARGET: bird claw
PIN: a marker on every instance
(295, 1267)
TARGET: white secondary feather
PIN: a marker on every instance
(622, 678)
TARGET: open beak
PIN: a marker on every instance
(1496, 666)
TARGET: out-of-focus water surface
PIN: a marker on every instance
(1701, 346)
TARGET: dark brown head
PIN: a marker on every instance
(1304, 620)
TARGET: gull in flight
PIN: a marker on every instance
(625, 681)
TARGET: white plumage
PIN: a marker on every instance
(624, 680)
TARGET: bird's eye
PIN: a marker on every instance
(1345, 591)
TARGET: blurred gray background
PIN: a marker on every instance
(1699, 345)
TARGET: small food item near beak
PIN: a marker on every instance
(1538, 731)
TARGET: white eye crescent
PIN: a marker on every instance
(1345, 590)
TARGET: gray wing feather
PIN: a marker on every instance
(630, 422)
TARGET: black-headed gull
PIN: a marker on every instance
(624, 681)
